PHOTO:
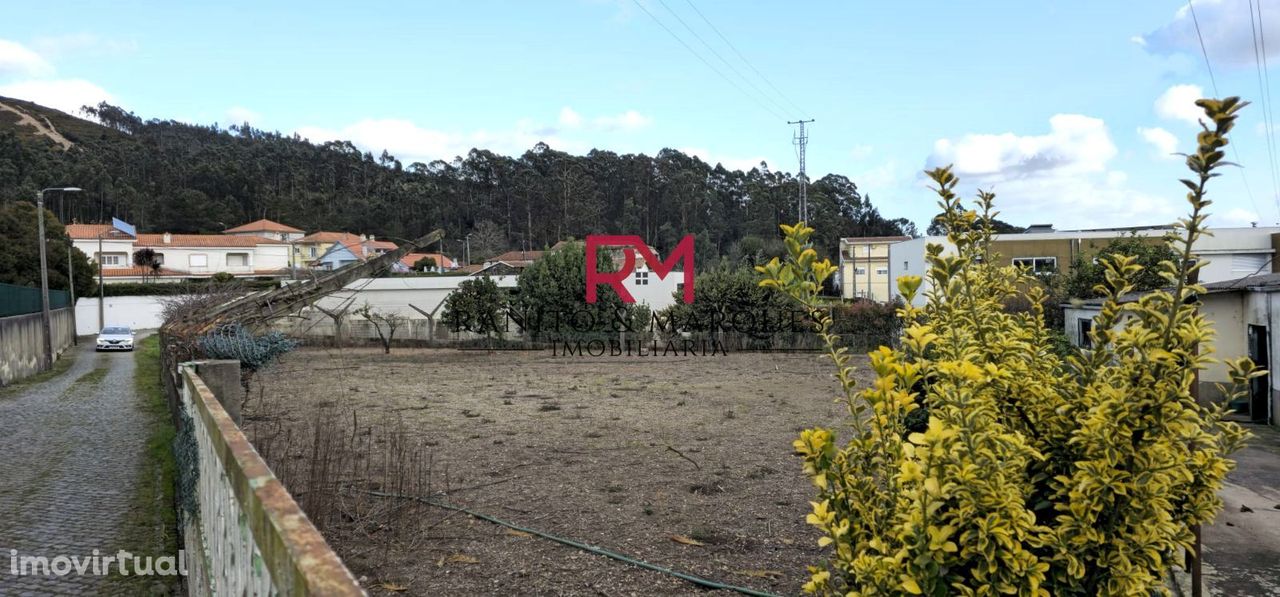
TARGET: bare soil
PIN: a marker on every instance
(684, 462)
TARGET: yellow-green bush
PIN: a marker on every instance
(1038, 474)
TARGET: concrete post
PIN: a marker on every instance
(223, 378)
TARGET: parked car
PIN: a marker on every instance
(115, 338)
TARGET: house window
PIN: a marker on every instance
(160, 258)
(1037, 265)
(860, 271)
(312, 249)
(198, 260)
(111, 259)
(882, 271)
(642, 278)
(237, 259)
(906, 265)
(1084, 326)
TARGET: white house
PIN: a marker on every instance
(181, 256)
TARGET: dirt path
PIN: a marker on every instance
(46, 128)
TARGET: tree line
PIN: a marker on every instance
(164, 175)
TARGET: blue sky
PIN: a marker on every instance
(1068, 110)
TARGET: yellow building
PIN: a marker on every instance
(864, 267)
(313, 246)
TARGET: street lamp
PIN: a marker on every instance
(46, 319)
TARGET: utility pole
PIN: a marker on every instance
(46, 319)
(71, 288)
(800, 140)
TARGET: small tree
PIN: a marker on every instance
(425, 264)
(385, 324)
(1036, 474)
(148, 258)
(1088, 275)
(552, 297)
(476, 306)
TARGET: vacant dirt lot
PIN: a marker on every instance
(685, 463)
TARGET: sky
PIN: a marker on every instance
(1070, 111)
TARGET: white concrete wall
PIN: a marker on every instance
(137, 312)
(394, 295)
(907, 259)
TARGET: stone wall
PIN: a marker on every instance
(22, 343)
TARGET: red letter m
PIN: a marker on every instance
(683, 251)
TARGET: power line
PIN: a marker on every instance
(743, 58)
(697, 55)
(1268, 107)
(1192, 6)
(1235, 152)
(717, 55)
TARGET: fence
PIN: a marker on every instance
(22, 343)
(21, 300)
(243, 533)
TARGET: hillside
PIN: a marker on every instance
(168, 175)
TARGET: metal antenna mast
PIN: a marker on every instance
(800, 140)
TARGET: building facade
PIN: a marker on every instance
(1228, 253)
(864, 267)
(180, 256)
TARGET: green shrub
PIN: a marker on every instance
(1036, 473)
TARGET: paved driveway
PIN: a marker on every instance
(70, 452)
(1242, 548)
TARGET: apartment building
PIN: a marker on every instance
(1229, 253)
(864, 267)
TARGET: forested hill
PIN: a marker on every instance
(167, 175)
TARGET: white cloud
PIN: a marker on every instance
(67, 95)
(569, 118)
(240, 115)
(1179, 103)
(1074, 143)
(729, 162)
(17, 60)
(1225, 26)
(1165, 143)
(627, 121)
(54, 47)
(1137, 39)
(861, 152)
(1062, 177)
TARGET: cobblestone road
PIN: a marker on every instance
(70, 452)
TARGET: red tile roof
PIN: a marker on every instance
(263, 225)
(328, 237)
(517, 257)
(380, 244)
(203, 240)
(137, 271)
(441, 260)
(84, 231)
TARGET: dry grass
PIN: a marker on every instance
(621, 453)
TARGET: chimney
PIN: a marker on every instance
(168, 238)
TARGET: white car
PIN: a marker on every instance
(115, 338)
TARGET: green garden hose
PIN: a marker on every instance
(697, 580)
